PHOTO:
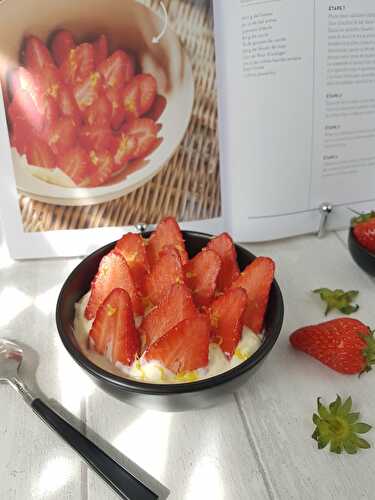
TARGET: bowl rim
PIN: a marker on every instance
(354, 240)
(148, 388)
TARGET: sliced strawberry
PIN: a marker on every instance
(21, 136)
(176, 306)
(166, 233)
(79, 64)
(88, 91)
(157, 109)
(117, 69)
(76, 164)
(184, 348)
(37, 56)
(68, 105)
(145, 131)
(62, 43)
(49, 81)
(22, 79)
(164, 274)
(113, 273)
(101, 49)
(226, 315)
(62, 136)
(147, 92)
(124, 147)
(23, 109)
(224, 247)
(102, 167)
(99, 113)
(130, 101)
(201, 275)
(39, 154)
(132, 247)
(96, 138)
(51, 113)
(113, 331)
(114, 96)
(256, 280)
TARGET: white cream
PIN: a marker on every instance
(153, 371)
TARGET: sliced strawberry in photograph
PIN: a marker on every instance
(20, 137)
(37, 57)
(166, 272)
(39, 154)
(51, 114)
(22, 79)
(113, 273)
(124, 147)
(99, 113)
(132, 247)
(76, 164)
(184, 348)
(224, 247)
(62, 136)
(145, 131)
(113, 332)
(88, 91)
(176, 306)
(101, 49)
(68, 105)
(114, 96)
(130, 101)
(256, 280)
(201, 273)
(117, 69)
(147, 92)
(62, 43)
(226, 315)
(96, 138)
(166, 233)
(79, 65)
(102, 167)
(23, 108)
(157, 108)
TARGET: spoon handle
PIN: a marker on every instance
(123, 482)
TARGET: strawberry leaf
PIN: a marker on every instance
(338, 299)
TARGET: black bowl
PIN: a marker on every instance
(363, 257)
(165, 397)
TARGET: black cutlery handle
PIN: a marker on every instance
(123, 482)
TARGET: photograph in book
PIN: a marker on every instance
(111, 112)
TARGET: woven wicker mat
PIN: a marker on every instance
(188, 186)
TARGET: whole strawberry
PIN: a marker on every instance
(364, 230)
(346, 345)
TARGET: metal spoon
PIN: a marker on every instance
(122, 481)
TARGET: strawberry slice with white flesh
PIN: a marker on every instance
(132, 247)
(113, 273)
(224, 247)
(185, 347)
(113, 332)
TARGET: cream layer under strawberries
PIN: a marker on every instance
(153, 371)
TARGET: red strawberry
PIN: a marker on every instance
(226, 315)
(49, 81)
(39, 154)
(98, 138)
(184, 348)
(51, 113)
(130, 101)
(145, 131)
(68, 105)
(62, 43)
(76, 164)
(117, 69)
(37, 56)
(224, 247)
(175, 306)
(62, 136)
(167, 233)
(132, 247)
(23, 109)
(364, 230)
(165, 273)
(124, 147)
(256, 280)
(114, 330)
(102, 167)
(79, 64)
(114, 96)
(99, 113)
(157, 109)
(147, 92)
(346, 345)
(101, 49)
(201, 275)
(113, 273)
(88, 91)
(21, 136)
(22, 79)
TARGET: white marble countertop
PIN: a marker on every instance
(256, 446)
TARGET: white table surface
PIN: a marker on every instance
(256, 446)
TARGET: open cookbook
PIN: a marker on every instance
(244, 116)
